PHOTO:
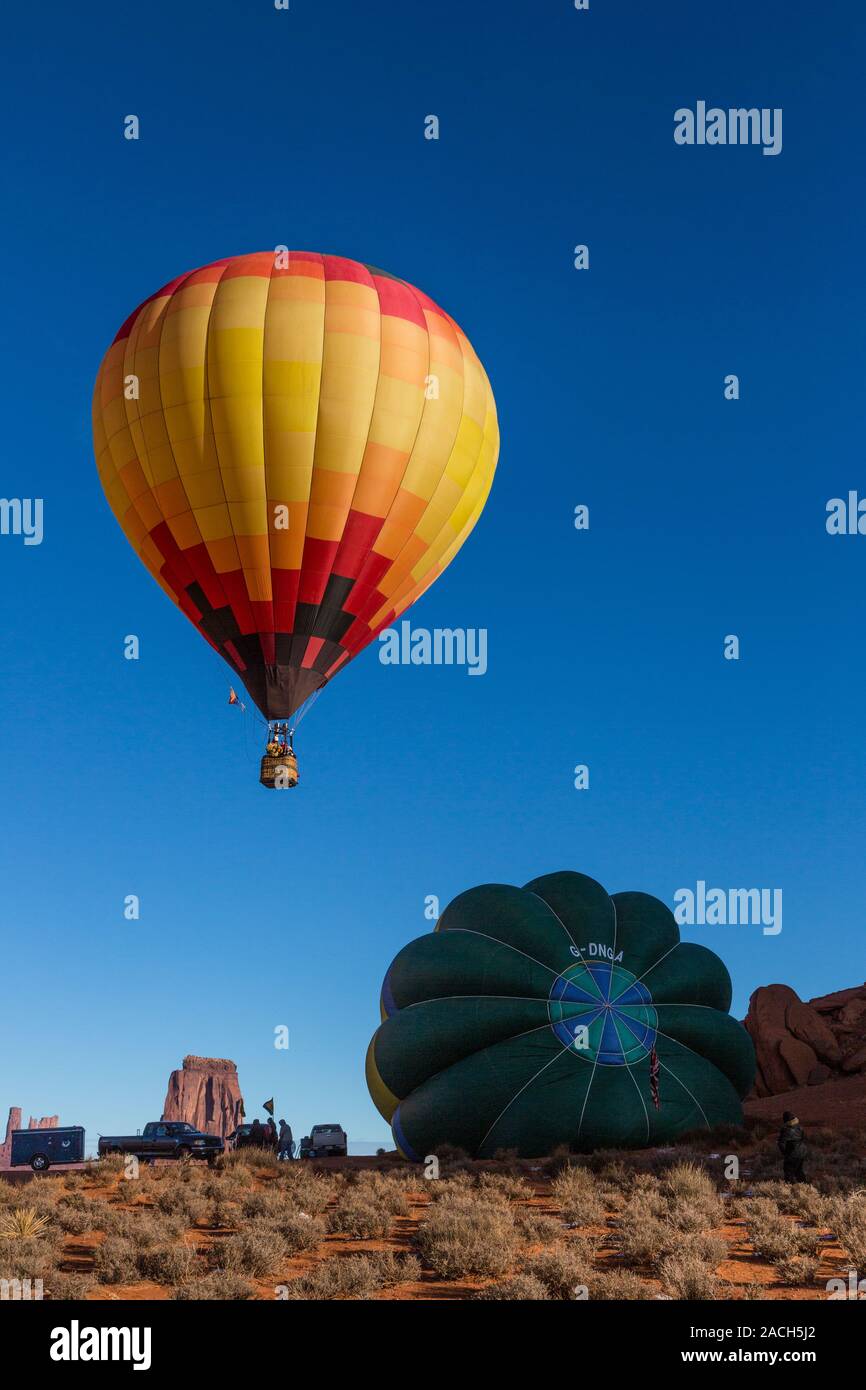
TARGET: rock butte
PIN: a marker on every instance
(806, 1044)
(206, 1093)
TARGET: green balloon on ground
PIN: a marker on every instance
(535, 1017)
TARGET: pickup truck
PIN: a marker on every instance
(163, 1139)
(325, 1141)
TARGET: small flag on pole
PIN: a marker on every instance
(269, 1106)
(233, 698)
(654, 1079)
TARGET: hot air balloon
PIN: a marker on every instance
(555, 1015)
(296, 446)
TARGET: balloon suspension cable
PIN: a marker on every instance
(304, 709)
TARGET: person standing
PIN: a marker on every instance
(287, 1143)
(792, 1147)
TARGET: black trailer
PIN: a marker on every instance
(43, 1147)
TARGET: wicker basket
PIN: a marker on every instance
(279, 772)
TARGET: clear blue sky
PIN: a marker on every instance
(707, 517)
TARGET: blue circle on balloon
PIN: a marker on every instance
(603, 1013)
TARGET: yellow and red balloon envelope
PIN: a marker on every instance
(296, 451)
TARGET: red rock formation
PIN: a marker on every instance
(206, 1093)
(806, 1044)
(14, 1122)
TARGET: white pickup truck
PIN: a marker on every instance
(325, 1141)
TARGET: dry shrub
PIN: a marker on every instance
(107, 1168)
(848, 1220)
(219, 1284)
(686, 1275)
(299, 1230)
(558, 1158)
(221, 1213)
(779, 1193)
(388, 1190)
(116, 1261)
(29, 1258)
(257, 1251)
(752, 1292)
(797, 1269)
(504, 1185)
(450, 1188)
(268, 1203)
(520, 1288)
(706, 1246)
(807, 1203)
(144, 1227)
(250, 1162)
(618, 1285)
(40, 1194)
(183, 1199)
(577, 1193)
(75, 1179)
(307, 1191)
(72, 1201)
(757, 1208)
(644, 1240)
(535, 1228)
(609, 1165)
(62, 1286)
(646, 1204)
(688, 1181)
(360, 1216)
(354, 1276)
(167, 1264)
(773, 1236)
(468, 1237)
(226, 1183)
(73, 1221)
(564, 1271)
(692, 1198)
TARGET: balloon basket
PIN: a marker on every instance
(279, 772)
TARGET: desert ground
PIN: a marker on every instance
(611, 1225)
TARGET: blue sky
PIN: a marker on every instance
(605, 647)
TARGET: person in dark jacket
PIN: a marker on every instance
(792, 1147)
(287, 1143)
(257, 1134)
(270, 1133)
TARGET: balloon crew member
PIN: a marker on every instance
(792, 1147)
(287, 1143)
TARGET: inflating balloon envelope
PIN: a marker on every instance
(296, 446)
(553, 1015)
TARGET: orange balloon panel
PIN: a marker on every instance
(296, 446)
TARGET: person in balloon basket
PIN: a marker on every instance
(792, 1147)
(287, 1144)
